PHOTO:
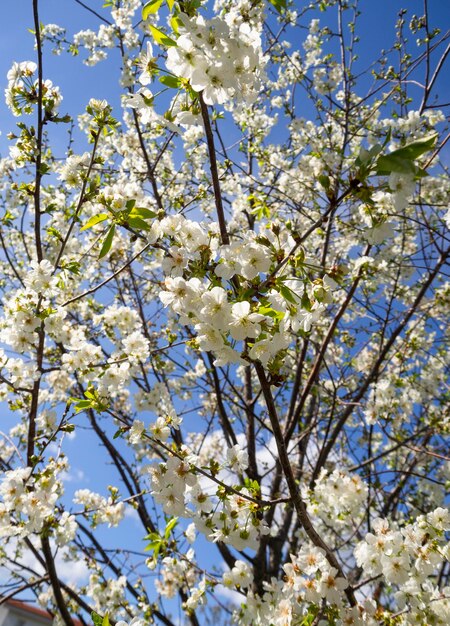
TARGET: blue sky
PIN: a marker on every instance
(78, 82)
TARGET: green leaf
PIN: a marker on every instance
(118, 433)
(394, 163)
(170, 81)
(306, 302)
(260, 208)
(175, 24)
(264, 241)
(375, 150)
(415, 149)
(105, 621)
(266, 310)
(161, 37)
(324, 181)
(106, 247)
(153, 537)
(44, 169)
(96, 219)
(252, 485)
(151, 7)
(170, 4)
(152, 545)
(97, 619)
(288, 294)
(170, 526)
(80, 405)
(71, 266)
(401, 160)
(65, 119)
(278, 5)
(137, 223)
(55, 233)
(142, 212)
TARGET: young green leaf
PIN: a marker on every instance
(152, 545)
(118, 433)
(278, 5)
(95, 219)
(142, 212)
(151, 7)
(324, 181)
(137, 223)
(97, 619)
(175, 23)
(81, 405)
(170, 526)
(106, 247)
(288, 294)
(170, 81)
(161, 37)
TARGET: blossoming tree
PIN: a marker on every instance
(236, 285)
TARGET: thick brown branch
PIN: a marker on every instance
(214, 172)
(56, 585)
(294, 491)
(40, 125)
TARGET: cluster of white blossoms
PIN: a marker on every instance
(240, 576)
(196, 596)
(28, 502)
(220, 58)
(176, 573)
(20, 322)
(118, 319)
(309, 581)
(98, 509)
(95, 43)
(337, 496)
(406, 557)
(73, 168)
(223, 62)
(230, 516)
(327, 79)
(110, 592)
(21, 94)
(232, 519)
(220, 319)
(170, 481)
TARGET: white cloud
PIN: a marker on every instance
(229, 594)
(131, 513)
(70, 571)
(73, 476)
